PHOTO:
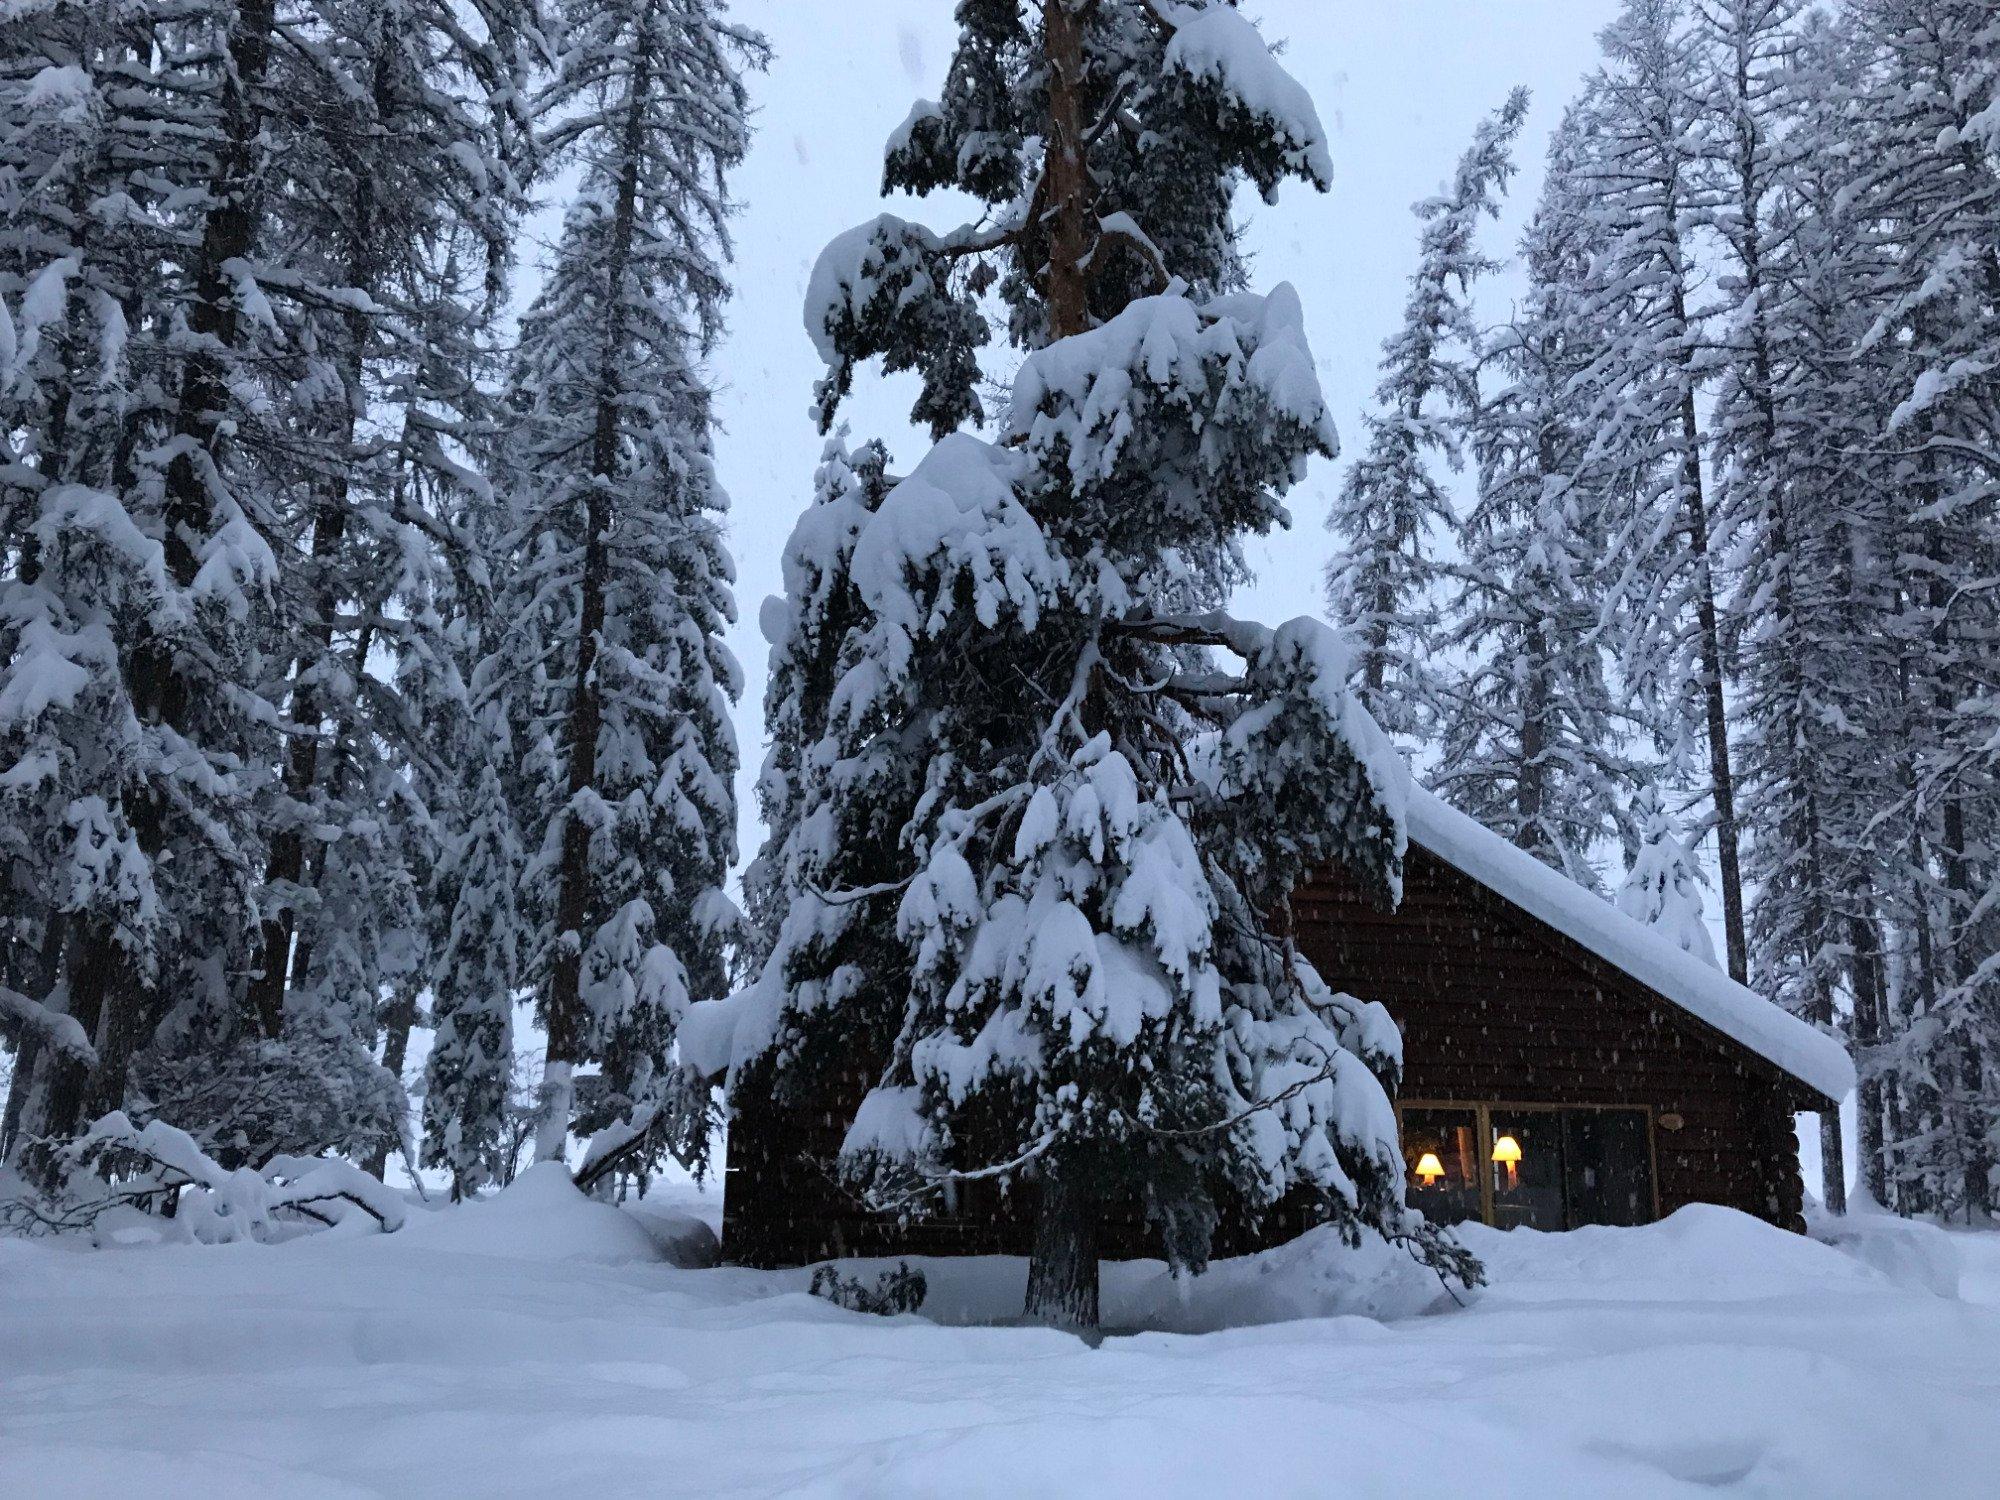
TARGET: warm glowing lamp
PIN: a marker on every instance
(1507, 1151)
(1429, 1168)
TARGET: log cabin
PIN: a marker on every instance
(1563, 1065)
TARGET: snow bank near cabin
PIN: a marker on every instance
(1918, 1256)
(1313, 1276)
(541, 1215)
(1701, 1251)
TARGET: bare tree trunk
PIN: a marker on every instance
(1066, 177)
(1062, 1273)
(1715, 709)
(1870, 1027)
(1833, 1162)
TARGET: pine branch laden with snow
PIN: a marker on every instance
(1034, 803)
(115, 1164)
(1392, 516)
(606, 656)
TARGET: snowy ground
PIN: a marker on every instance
(535, 1346)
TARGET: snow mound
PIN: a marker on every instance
(681, 1239)
(541, 1215)
(1701, 1253)
(1918, 1256)
(1313, 1276)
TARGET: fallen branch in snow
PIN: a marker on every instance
(135, 1167)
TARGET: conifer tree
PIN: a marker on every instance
(468, 1076)
(1529, 738)
(1646, 465)
(1393, 512)
(207, 350)
(620, 583)
(1060, 836)
(1662, 888)
(1928, 188)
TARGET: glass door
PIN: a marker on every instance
(1524, 1152)
(1607, 1167)
(1538, 1166)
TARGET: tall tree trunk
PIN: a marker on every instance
(1694, 510)
(1066, 176)
(1063, 1270)
(564, 1012)
(1870, 1027)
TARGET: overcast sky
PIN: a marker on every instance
(1399, 85)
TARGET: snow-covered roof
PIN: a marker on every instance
(1705, 993)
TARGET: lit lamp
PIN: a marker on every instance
(1429, 1169)
(1507, 1151)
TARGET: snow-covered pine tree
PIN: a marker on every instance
(620, 583)
(469, 1074)
(234, 357)
(1062, 845)
(1781, 487)
(400, 251)
(76, 566)
(1645, 469)
(1393, 511)
(136, 136)
(1926, 177)
(1529, 736)
(1662, 886)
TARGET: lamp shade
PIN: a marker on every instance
(1507, 1150)
(1429, 1168)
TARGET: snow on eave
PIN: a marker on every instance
(1707, 994)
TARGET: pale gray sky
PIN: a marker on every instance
(1399, 85)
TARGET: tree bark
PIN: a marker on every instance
(1062, 1273)
(1870, 1030)
(1066, 176)
(1715, 710)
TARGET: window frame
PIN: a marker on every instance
(1483, 1137)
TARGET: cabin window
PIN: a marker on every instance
(1533, 1165)
(1441, 1149)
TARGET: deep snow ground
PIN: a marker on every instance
(532, 1346)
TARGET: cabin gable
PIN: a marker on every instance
(1498, 1007)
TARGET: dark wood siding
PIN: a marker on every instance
(1495, 1006)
